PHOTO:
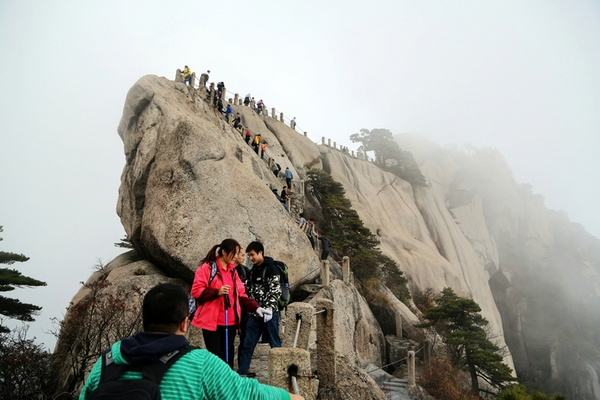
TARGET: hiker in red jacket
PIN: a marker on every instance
(221, 297)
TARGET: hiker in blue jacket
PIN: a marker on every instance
(288, 177)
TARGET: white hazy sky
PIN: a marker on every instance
(521, 76)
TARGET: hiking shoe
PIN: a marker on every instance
(251, 374)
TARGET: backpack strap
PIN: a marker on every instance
(157, 370)
(213, 272)
(153, 371)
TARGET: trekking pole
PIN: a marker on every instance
(227, 305)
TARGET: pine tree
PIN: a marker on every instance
(459, 322)
(350, 237)
(11, 279)
(389, 156)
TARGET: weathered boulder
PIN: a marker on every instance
(191, 181)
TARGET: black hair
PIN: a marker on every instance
(164, 307)
(256, 246)
(227, 245)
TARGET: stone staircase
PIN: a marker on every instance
(394, 388)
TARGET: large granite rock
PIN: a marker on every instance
(190, 181)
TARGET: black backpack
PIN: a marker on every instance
(147, 388)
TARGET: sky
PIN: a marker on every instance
(520, 76)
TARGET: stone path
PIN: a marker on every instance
(394, 388)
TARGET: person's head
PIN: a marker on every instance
(302, 215)
(164, 309)
(208, 72)
(311, 221)
(226, 250)
(255, 251)
(240, 257)
(285, 187)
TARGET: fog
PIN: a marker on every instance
(521, 77)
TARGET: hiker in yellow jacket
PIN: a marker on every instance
(187, 75)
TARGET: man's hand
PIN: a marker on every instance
(267, 314)
(260, 311)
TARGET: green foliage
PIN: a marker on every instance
(519, 392)
(11, 279)
(459, 322)
(24, 366)
(125, 243)
(349, 237)
(389, 156)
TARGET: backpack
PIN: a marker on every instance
(192, 303)
(147, 388)
(284, 283)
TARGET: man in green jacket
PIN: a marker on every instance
(198, 374)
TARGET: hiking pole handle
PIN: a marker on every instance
(226, 301)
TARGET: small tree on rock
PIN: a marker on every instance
(459, 322)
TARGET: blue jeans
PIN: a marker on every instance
(255, 327)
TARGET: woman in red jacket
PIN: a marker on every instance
(217, 285)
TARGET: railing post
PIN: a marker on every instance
(323, 140)
(398, 325)
(346, 269)
(273, 113)
(325, 273)
(326, 362)
(411, 368)
(236, 97)
(427, 351)
(193, 81)
(284, 363)
(299, 318)
(305, 133)
(253, 104)
(335, 145)
(281, 117)
(329, 142)
(178, 76)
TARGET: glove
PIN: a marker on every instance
(260, 311)
(267, 314)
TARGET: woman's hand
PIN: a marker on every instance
(224, 290)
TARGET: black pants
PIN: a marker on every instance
(215, 343)
(243, 322)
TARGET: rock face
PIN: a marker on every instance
(191, 181)
(417, 230)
